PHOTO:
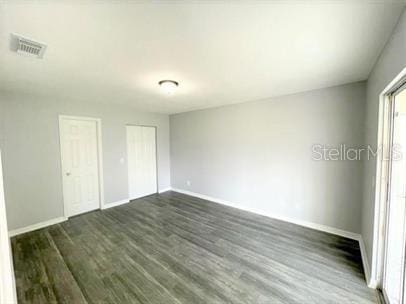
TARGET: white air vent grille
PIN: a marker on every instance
(27, 46)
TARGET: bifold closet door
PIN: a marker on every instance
(141, 155)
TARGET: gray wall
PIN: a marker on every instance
(29, 138)
(258, 155)
(389, 65)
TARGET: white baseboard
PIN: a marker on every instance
(324, 228)
(57, 220)
(164, 190)
(340, 232)
(37, 226)
(115, 204)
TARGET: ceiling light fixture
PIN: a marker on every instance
(168, 86)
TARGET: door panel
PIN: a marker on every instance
(80, 170)
(141, 154)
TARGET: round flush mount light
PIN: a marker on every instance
(168, 86)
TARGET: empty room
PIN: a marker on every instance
(187, 152)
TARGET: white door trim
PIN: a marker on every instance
(99, 155)
(381, 181)
(7, 280)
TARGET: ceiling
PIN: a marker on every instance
(220, 52)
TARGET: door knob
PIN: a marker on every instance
(67, 173)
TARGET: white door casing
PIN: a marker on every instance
(7, 281)
(80, 155)
(141, 154)
(394, 264)
(381, 179)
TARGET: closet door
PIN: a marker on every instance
(141, 154)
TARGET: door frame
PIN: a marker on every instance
(382, 179)
(99, 157)
(156, 156)
(8, 292)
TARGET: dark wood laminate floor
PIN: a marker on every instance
(173, 248)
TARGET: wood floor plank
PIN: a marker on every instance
(172, 248)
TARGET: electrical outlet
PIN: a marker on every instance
(188, 183)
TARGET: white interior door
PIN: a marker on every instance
(80, 165)
(393, 283)
(141, 154)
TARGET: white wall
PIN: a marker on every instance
(31, 153)
(388, 66)
(258, 155)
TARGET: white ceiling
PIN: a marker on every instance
(219, 52)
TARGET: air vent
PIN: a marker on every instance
(27, 46)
